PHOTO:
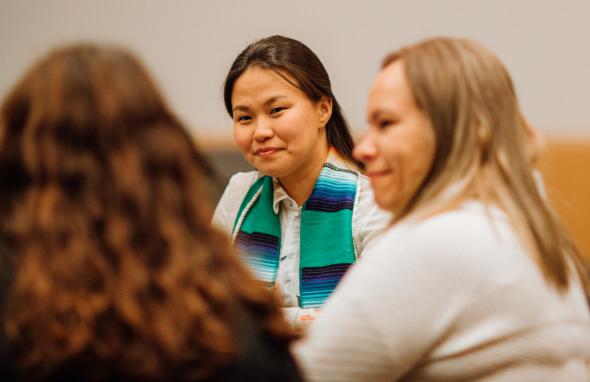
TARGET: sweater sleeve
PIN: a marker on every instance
(343, 345)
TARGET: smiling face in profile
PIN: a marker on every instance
(400, 144)
(279, 130)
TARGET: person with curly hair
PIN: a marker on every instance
(110, 268)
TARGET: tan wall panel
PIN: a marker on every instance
(565, 165)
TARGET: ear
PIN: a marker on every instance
(324, 107)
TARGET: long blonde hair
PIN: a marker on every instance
(485, 147)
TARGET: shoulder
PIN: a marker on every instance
(470, 226)
(372, 220)
(238, 187)
(465, 242)
(450, 258)
(243, 180)
(366, 191)
(231, 199)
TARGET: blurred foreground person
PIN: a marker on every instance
(476, 280)
(110, 270)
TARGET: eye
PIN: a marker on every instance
(385, 123)
(277, 109)
(243, 118)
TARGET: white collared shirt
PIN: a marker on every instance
(371, 220)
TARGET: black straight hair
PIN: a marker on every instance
(296, 59)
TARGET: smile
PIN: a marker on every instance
(266, 151)
(376, 174)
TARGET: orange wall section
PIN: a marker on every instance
(565, 165)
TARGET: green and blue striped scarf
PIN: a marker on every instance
(327, 245)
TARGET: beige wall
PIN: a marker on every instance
(190, 45)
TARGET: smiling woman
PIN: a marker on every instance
(476, 280)
(279, 130)
(307, 213)
(408, 141)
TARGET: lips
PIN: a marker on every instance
(376, 174)
(266, 151)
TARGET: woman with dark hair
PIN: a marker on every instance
(110, 268)
(476, 280)
(307, 213)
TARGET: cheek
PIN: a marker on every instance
(391, 149)
(243, 138)
(420, 163)
(289, 128)
(297, 127)
(426, 152)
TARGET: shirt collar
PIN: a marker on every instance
(279, 195)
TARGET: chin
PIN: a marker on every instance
(270, 171)
(275, 169)
(384, 203)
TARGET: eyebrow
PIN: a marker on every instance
(375, 115)
(267, 102)
(240, 108)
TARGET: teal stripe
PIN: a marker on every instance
(335, 189)
(339, 179)
(259, 263)
(325, 236)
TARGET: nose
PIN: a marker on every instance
(365, 150)
(263, 130)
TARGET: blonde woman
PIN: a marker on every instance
(476, 279)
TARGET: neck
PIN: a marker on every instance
(300, 184)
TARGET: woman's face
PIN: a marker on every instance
(399, 146)
(279, 130)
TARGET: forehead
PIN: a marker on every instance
(391, 79)
(257, 80)
(390, 89)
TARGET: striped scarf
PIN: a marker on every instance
(327, 246)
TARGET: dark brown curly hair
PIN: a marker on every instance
(105, 225)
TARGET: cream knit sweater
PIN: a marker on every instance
(453, 298)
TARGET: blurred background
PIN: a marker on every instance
(189, 46)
